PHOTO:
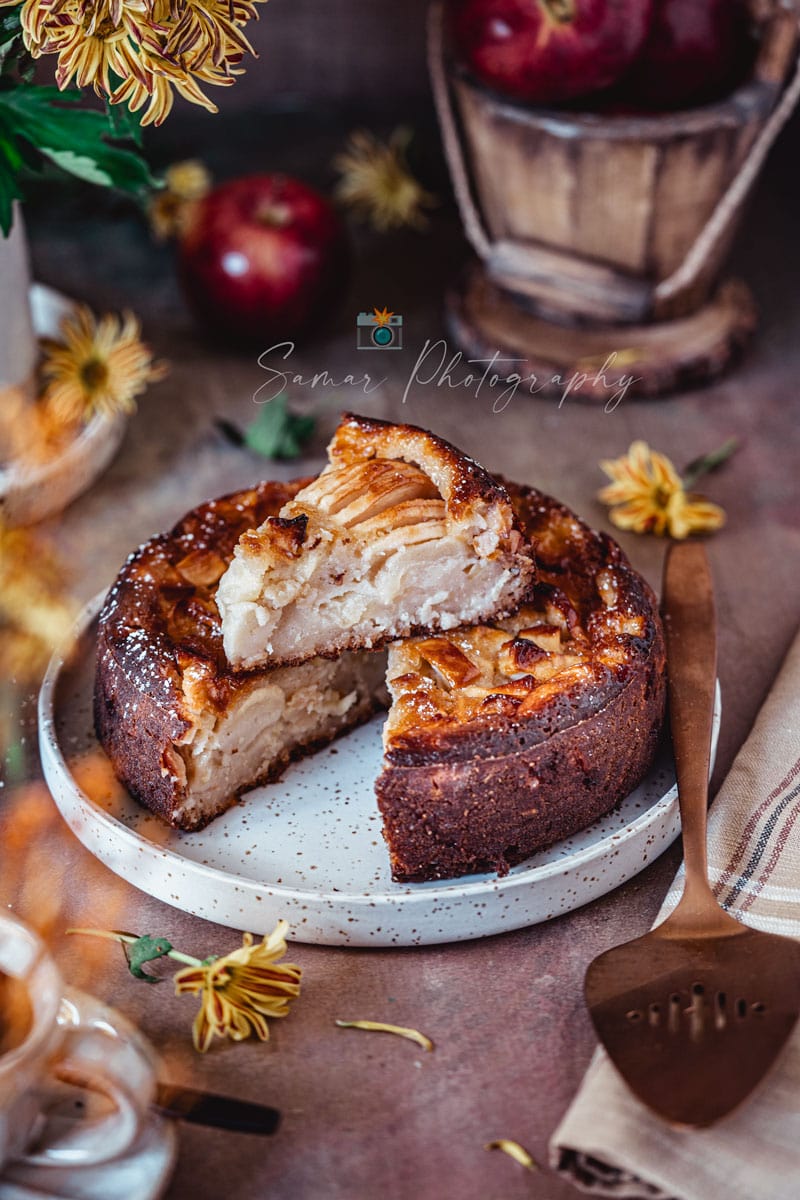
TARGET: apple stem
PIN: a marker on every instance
(275, 214)
(562, 11)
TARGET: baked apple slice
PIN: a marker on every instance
(400, 534)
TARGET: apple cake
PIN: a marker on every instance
(185, 733)
(400, 534)
(510, 736)
(502, 737)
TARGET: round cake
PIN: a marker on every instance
(502, 738)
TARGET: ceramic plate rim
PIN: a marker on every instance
(51, 753)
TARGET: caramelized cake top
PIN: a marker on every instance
(511, 683)
(160, 619)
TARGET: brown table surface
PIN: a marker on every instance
(368, 1116)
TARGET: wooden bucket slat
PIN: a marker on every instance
(614, 202)
(693, 172)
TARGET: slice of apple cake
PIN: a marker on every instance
(184, 732)
(400, 534)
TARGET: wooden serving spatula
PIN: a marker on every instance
(694, 1013)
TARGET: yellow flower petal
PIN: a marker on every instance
(514, 1150)
(663, 473)
(36, 613)
(148, 47)
(413, 1035)
(377, 184)
(98, 366)
(704, 515)
(240, 990)
(169, 210)
(687, 516)
(202, 1031)
(648, 496)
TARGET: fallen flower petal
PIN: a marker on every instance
(515, 1151)
(413, 1035)
(238, 991)
(647, 494)
(170, 208)
(36, 611)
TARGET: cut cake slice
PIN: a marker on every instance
(507, 737)
(400, 534)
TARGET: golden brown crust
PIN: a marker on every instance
(158, 627)
(461, 481)
(166, 590)
(506, 738)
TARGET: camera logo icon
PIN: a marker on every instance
(379, 330)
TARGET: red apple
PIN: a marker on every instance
(261, 258)
(696, 51)
(546, 51)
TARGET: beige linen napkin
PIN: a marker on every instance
(608, 1143)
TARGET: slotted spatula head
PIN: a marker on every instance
(694, 1014)
(692, 1023)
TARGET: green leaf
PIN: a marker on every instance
(81, 166)
(10, 30)
(74, 138)
(124, 124)
(10, 24)
(144, 950)
(278, 433)
(50, 94)
(9, 147)
(16, 63)
(9, 185)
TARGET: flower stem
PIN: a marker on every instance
(111, 935)
(708, 462)
(114, 935)
(185, 958)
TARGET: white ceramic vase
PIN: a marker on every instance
(17, 338)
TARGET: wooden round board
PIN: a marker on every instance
(309, 847)
(586, 362)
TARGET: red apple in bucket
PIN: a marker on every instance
(261, 259)
(548, 51)
(696, 51)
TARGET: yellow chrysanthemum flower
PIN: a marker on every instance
(240, 990)
(97, 366)
(35, 613)
(189, 179)
(376, 182)
(648, 496)
(185, 184)
(137, 51)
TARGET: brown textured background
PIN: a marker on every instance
(370, 51)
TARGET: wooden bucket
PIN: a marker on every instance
(605, 219)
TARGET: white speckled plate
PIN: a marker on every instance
(309, 847)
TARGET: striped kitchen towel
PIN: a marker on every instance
(608, 1143)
